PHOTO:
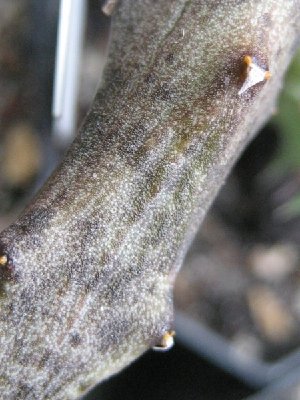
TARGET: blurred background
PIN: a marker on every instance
(237, 296)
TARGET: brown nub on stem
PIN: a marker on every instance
(248, 60)
(268, 75)
(245, 67)
(3, 260)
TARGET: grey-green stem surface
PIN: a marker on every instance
(92, 261)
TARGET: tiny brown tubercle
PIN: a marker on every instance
(253, 73)
(7, 272)
(3, 260)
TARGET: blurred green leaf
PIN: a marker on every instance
(287, 120)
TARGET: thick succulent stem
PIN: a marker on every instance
(90, 264)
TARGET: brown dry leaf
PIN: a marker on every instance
(271, 316)
(22, 156)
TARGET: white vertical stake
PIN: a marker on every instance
(71, 28)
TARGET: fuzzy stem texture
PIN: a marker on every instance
(87, 286)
